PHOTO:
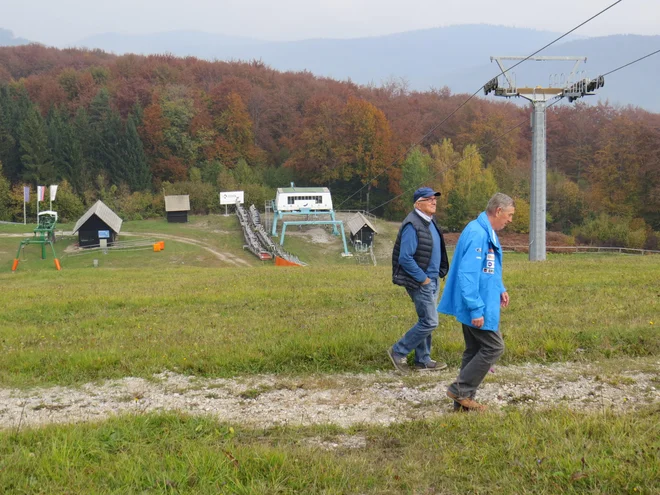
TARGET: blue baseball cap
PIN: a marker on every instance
(424, 192)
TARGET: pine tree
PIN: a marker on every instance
(10, 119)
(35, 155)
(99, 108)
(110, 150)
(137, 168)
(66, 149)
(84, 133)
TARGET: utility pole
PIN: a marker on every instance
(539, 98)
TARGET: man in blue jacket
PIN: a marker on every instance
(474, 293)
(419, 260)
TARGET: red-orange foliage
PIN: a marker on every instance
(169, 169)
(327, 130)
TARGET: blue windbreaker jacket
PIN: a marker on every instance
(474, 283)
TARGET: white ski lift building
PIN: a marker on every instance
(307, 201)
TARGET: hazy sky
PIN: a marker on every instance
(62, 22)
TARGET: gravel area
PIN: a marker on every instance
(343, 399)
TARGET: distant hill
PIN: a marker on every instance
(7, 39)
(180, 43)
(454, 56)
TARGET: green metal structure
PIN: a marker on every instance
(44, 234)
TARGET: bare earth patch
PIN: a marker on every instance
(381, 398)
(315, 235)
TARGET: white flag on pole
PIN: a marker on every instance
(41, 193)
(53, 192)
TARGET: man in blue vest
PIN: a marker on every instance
(419, 260)
(474, 293)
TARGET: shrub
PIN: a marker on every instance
(613, 231)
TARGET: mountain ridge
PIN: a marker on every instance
(457, 57)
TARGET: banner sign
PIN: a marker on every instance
(26, 194)
(231, 197)
(41, 193)
(53, 192)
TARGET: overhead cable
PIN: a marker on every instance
(434, 128)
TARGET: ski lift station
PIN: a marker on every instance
(311, 202)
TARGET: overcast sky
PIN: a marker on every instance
(63, 22)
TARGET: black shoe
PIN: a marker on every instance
(399, 362)
(431, 366)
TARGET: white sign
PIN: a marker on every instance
(230, 197)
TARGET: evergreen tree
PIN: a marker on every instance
(66, 149)
(110, 148)
(84, 135)
(98, 114)
(99, 108)
(138, 113)
(138, 175)
(10, 119)
(35, 155)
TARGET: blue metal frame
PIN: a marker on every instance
(303, 211)
(332, 222)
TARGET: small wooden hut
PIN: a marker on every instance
(177, 208)
(99, 222)
(361, 231)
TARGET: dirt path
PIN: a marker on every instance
(381, 398)
(226, 257)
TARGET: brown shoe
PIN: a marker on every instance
(466, 402)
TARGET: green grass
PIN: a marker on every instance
(218, 232)
(184, 310)
(82, 324)
(521, 452)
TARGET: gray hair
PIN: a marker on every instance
(499, 200)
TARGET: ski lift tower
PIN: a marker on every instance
(539, 97)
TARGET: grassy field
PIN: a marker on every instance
(84, 324)
(140, 313)
(522, 453)
(212, 318)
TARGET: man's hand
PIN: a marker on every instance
(427, 281)
(478, 322)
(504, 299)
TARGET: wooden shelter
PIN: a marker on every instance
(99, 222)
(177, 208)
(361, 231)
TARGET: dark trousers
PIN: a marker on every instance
(482, 349)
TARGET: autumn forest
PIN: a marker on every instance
(126, 129)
